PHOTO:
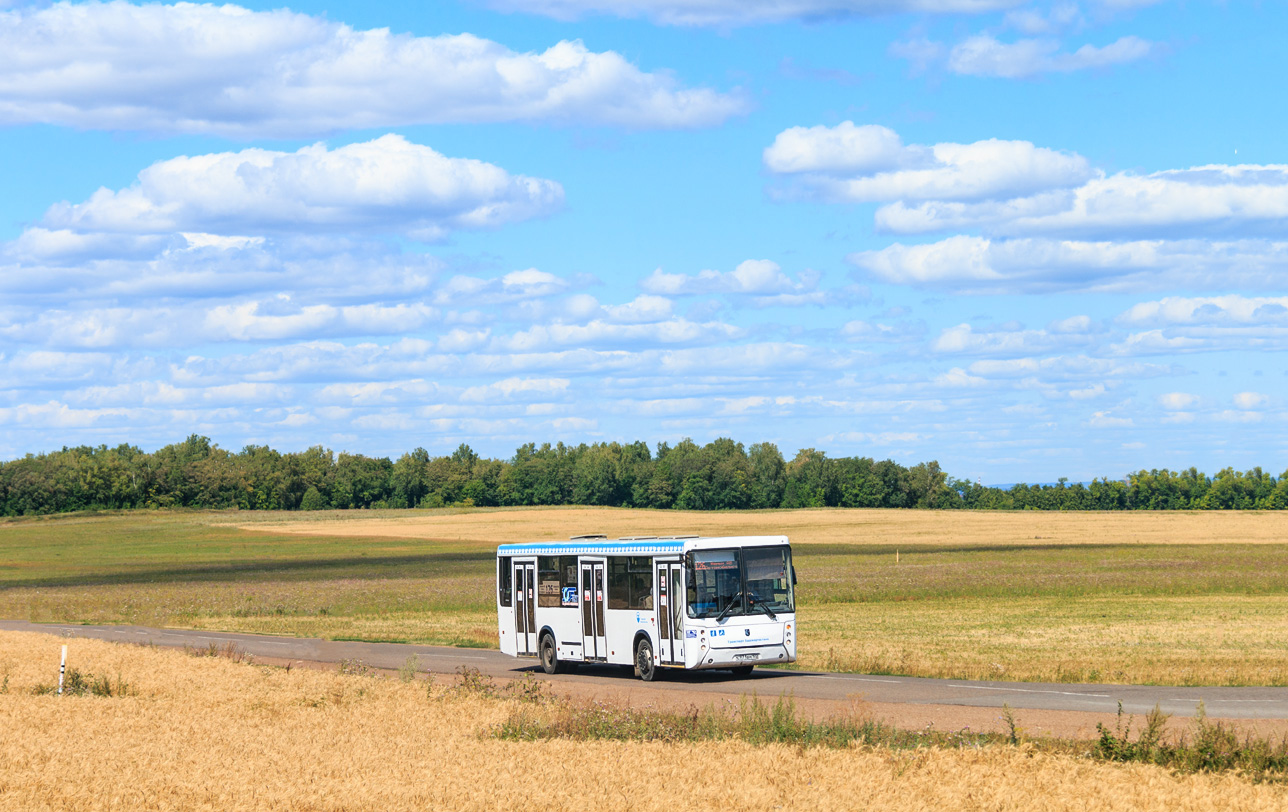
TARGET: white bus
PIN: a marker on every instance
(649, 602)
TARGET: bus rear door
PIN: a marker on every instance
(594, 642)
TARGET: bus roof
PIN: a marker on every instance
(635, 545)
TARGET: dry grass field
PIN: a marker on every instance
(883, 528)
(200, 733)
(1189, 599)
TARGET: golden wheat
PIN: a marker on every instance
(204, 733)
(811, 526)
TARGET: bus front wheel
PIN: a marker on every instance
(644, 665)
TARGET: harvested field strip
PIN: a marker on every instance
(207, 733)
(805, 526)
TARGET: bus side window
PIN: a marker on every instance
(630, 582)
(641, 583)
(549, 587)
(505, 581)
(618, 588)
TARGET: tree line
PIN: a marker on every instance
(720, 475)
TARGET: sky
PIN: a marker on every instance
(1028, 240)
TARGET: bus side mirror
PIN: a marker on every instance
(793, 575)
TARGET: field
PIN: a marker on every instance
(1167, 598)
(193, 733)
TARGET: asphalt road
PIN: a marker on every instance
(1221, 703)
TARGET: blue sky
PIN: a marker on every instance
(1028, 240)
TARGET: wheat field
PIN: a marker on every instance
(209, 734)
(879, 527)
(1162, 598)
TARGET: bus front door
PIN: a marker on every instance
(594, 643)
(670, 623)
(525, 609)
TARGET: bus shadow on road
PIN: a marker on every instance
(678, 676)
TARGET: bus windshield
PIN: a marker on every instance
(751, 580)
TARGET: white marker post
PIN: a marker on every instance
(62, 669)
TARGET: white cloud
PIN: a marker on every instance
(641, 309)
(516, 389)
(337, 269)
(1105, 420)
(757, 277)
(1036, 265)
(870, 163)
(1156, 342)
(58, 415)
(574, 424)
(983, 55)
(1073, 324)
(1045, 220)
(458, 340)
(226, 70)
(1232, 416)
(1206, 324)
(727, 13)
(66, 245)
(1178, 401)
(1031, 21)
(256, 321)
(1067, 368)
(922, 52)
(515, 286)
(964, 339)
(1251, 400)
(1223, 199)
(386, 185)
(880, 439)
(861, 330)
(369, 393)
(1087, 392)
(1232, 309)
(542, 337)
(958, 377)
(843, 148)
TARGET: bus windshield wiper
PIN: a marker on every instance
(724, 613)
(751, 599)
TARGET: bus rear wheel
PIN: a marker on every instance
(742, 670)
(644, 665)
(550, 656)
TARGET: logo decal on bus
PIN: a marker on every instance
(570, 596)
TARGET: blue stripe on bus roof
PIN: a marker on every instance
(595, 547)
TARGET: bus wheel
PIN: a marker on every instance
(743, 670)
(644, 665)
(549, 656)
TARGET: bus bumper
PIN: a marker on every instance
(748, 655)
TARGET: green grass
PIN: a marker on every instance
(1212, 613)
(868, 574)
(1207, 748)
